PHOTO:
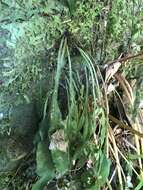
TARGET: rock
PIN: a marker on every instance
(23, 122)
(11, 153)
(19, 122)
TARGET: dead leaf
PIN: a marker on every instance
(58, 141)
(111, 87)
(126, 87)
(111, 70)
(141, 104)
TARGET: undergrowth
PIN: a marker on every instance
(88, 149)
(97, 144)
(77, 146)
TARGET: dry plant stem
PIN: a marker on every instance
(115, 170)
(141, 143)
(116, 157)
(137, 135)
(126, 87)
(107, 112)
(108, 186)
(129, 93)
(141, 117)
(128, 163)
(124, 176)
(140, 129)
(126, 58)
(138, 146)
(124, 126)
(137, 142)
(129, 144)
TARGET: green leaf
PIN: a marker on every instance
(134, 156)
(55, 113)
(139, 186)
(104, 124)
(61, 161)
(45, 166)
(70, 4)
(103, 171)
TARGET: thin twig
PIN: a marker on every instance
(124, 126)
(126, 58)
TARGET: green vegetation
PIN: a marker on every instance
(80, 63)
